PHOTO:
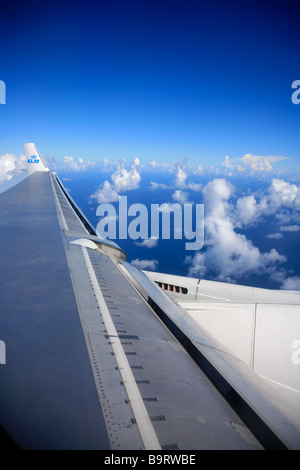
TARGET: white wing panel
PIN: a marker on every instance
(230, 324)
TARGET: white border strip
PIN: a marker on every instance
(140, 413)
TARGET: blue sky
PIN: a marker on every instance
(174, 101)
(159, 80)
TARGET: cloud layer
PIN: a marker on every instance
(229, 254)
(122, 180)
(70, 164)
(10, 166)
(149, 264)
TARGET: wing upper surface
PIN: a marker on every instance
(91, 361)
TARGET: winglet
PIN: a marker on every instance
(34, 159)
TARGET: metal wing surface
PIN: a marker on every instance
(100, 355)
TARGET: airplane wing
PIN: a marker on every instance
(99, 355)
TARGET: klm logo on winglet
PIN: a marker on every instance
(33, 159)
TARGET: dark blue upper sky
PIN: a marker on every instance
(159, 79)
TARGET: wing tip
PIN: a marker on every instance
(34, 160)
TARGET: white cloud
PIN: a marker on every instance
(136, 162)
(154, 165)
(70, 164)
(154, 185)
(258, 163)
(291, 283)
(122, 180)
(246, 210)
(181, 174)
(126, 180)
(197, 266)
(150, 264)
(181, 177)
(281, 198)
(148, 242)
(240, 168)
(105, 194)
(286, 216)
(10, 166)
(180, 196)
(199, 170)
(195, 186)
(7, 166)
(290, 228)
(248, 164)
(228, 166)
(166, 207)
(275, 236)
(106, 161)
(285, 194)
(252, 164)
(227, 163)
(229, 254)
(52, 163)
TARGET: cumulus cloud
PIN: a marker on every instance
(70, 164)
(290, 228)
(181, 177)
(256, 162)
(122, 180)
(252, 164)
(180, 196)
(154, 185)
(275, 236)
(105, 194)
(281, 199)
(195, 186)
(126, 180)
(148, 242)
(10, 166)
(154, 165)
(291, 283)
(166, 207)
(181, 174)
(150, 264)
(259, 163)
(198, 170)
(228, 166)
(285, 194)
(246, 209)
(229, 254)
(197, 264)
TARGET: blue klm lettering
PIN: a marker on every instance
(33, 159)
